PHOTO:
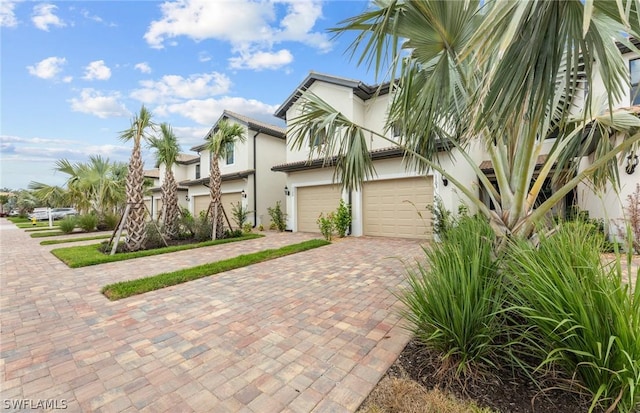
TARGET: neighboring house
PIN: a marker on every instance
(396, 202)
(246, 174)
(182, 170)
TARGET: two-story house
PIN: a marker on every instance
(246, 171)
(182, 170)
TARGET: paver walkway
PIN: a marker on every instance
(313, 331)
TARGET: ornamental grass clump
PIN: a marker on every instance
(67, 224)
(454, 299)
(580, 317)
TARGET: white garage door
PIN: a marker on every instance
(312, 200)
(201, 203)
(398, 207)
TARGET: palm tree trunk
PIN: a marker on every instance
(170, 204)
(215, 210)
(136, 221)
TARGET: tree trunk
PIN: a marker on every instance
(135, 224)
(170, 205)
(215, 210)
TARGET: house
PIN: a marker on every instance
(182, 169)
(396, 202)
(246, 171)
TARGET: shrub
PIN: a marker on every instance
(88, 222)
(453, 300)
(153, 236)
(202, 228)
(186, 224)
(326, 225)
(260, 227)
(247, 228)
(342, 218)
(108, 222)
(233, 233)
(442, 219)
(632, 220)
(67, 224)
(239, 214)
(580, 316)
(278, 218)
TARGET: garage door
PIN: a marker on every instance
(392, 208)
(201, 203)
(312, 200)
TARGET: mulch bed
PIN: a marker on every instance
(504, 392)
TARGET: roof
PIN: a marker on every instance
(253, 124)
(152, 173)
(376, 154)
(487, 166)
(361, 89)
(226, 177)
(185, 159)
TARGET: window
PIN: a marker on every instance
(230, 151)
(198, 171)
(634, 70)
(396, 130)
(318, 138)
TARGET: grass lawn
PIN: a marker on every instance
(53, 233)
(39, 224)
(85, 255)
(62, 241)
(17, 220)
(128, 288)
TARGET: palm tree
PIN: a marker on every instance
(167, 151)
(507, 75)
(219, 144)
(135, 221)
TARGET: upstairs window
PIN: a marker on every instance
(634, 70)
(198, 171)
(230, 151)
(318, 138)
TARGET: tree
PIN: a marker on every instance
(167, 151)
(219, 144)
(135, 221)
(508, 75)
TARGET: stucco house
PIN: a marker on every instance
(246, 171)
(395, 203)
(182, 170)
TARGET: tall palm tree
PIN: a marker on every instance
(219, 144)
(508, 75)
(167, 151)
(135, 223)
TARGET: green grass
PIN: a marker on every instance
(39, 224)
(17, 220)
(36, 229)
(52, 233)
(86, 255)
(128, 288)
(62, 241)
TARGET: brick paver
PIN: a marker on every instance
(310, 332)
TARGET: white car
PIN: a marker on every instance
(39, 214)
(60, 213)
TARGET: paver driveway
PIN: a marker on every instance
(310, 332)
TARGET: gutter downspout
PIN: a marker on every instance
(255, 185)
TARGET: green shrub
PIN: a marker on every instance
(153, 236)
(239, 214)
(278, 218)
(580, 316)
(235, 233)
(326, 225)
(108, 222)
(247, 228)
(68, 224)
(202, 228)
(88, 222)
(454, 298)
(186, 224)
(342, 218)
(260, 227)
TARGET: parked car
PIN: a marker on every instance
(39, 214)
(14, 213)
(60, 213)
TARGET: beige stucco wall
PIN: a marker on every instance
(270, 185)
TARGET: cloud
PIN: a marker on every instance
(97, 70)
(143, 67)
(7, 14)
(43, 16)
(101, 105)
(189, 136)
(245, 24)
(204, 57)
(47, 68)
(261, 60)
(172, 88)
(207, 111)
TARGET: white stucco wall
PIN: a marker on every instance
(270, 185)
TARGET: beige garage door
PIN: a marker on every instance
(392, 208)
(312, 200)
(201, 203)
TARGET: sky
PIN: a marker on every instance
(73, 73)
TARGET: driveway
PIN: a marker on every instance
(313, 331)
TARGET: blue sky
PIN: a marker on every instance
(74, 72)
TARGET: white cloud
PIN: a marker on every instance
(43, 16)
(143, 67)
(97, 70)
(207, 111)
(47, 68)
(171, 88)
(7, 14)
(246, 24)
(189, 136)
(204, 57)
(261, 60)
(101, 105)
(67, 79)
